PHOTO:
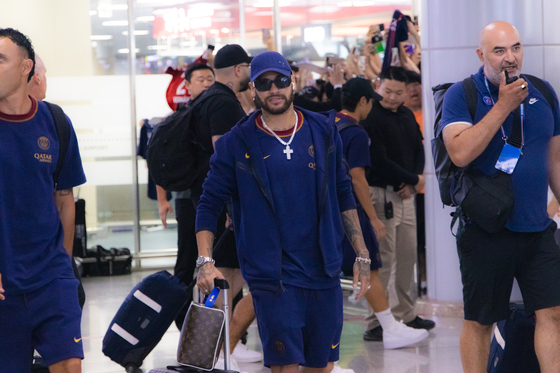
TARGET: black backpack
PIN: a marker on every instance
(446, 171)
(172, 154)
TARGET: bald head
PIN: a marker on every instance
(500, 50)
(37, 86)
(495, 31)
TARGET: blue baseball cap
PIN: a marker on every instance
(269, 61)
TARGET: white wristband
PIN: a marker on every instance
(365, 260)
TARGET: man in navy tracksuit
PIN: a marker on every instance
(283, 170)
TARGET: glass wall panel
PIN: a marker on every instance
(315, 29)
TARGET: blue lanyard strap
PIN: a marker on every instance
(521, 112)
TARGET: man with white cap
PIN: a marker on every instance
(283, 169)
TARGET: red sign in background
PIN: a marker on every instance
(179, 21)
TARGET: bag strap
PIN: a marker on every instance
(542, 87)
(345, 125)
(63, 133)
(471, 94)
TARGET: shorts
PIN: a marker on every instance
(489, 263)
(299, 326)
(348, 253)
(47, 319)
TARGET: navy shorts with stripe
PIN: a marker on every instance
(47, 319)
(299, 326)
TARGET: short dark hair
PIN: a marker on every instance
(194, 67)
(394, 73)
(23, 43)
(413, 77)
(349, 102)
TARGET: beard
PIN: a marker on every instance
(244, 84)
(495, 76)
(281, 110)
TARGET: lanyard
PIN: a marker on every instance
(522, 115)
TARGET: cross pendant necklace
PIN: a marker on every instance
(288, 151)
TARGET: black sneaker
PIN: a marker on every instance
(374, 335)
(419, 323)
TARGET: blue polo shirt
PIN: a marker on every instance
(31, 235)
(294, 193)
(530, 178)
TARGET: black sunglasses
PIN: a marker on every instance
(281, 81)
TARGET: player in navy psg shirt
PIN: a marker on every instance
(39, 307)
(357, 101)
(283, 170)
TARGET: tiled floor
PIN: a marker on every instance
(437, 354)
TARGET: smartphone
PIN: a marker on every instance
(377, 41)
(211, 47)
(331, 61)
(266, 33)
(409, 48)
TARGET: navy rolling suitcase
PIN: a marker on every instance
(513, 344)
(143, 319)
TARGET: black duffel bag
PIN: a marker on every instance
(486, 200)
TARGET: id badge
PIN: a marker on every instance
(508, 159)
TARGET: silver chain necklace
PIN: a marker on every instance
(288, 151)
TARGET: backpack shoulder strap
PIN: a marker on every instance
(542, 87)
(63, 133)
(345, 125)
(471, 95)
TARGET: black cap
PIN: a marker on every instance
(231, 55)
(309, 92)
(360, 87)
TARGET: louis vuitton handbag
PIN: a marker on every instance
(203, 333)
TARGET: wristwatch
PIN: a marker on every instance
(202, 260)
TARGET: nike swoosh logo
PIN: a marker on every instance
(533, 100)
(334, 346)
(77, 340)
(246, 155)
(266, 156)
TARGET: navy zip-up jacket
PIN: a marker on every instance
(238, 174)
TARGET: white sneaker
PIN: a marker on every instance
(232, 364)
(243, 355)
(338, 369)
(352, 297)
(401, 335)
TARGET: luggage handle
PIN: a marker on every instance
(221, 283)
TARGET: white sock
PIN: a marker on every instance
(386, 319)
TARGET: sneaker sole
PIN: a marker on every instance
(247, 360)
(399, 344)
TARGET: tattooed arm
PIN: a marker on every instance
(64, 200)
(354, 234)
(208, 272)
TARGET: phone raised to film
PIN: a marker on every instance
(377, 40)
